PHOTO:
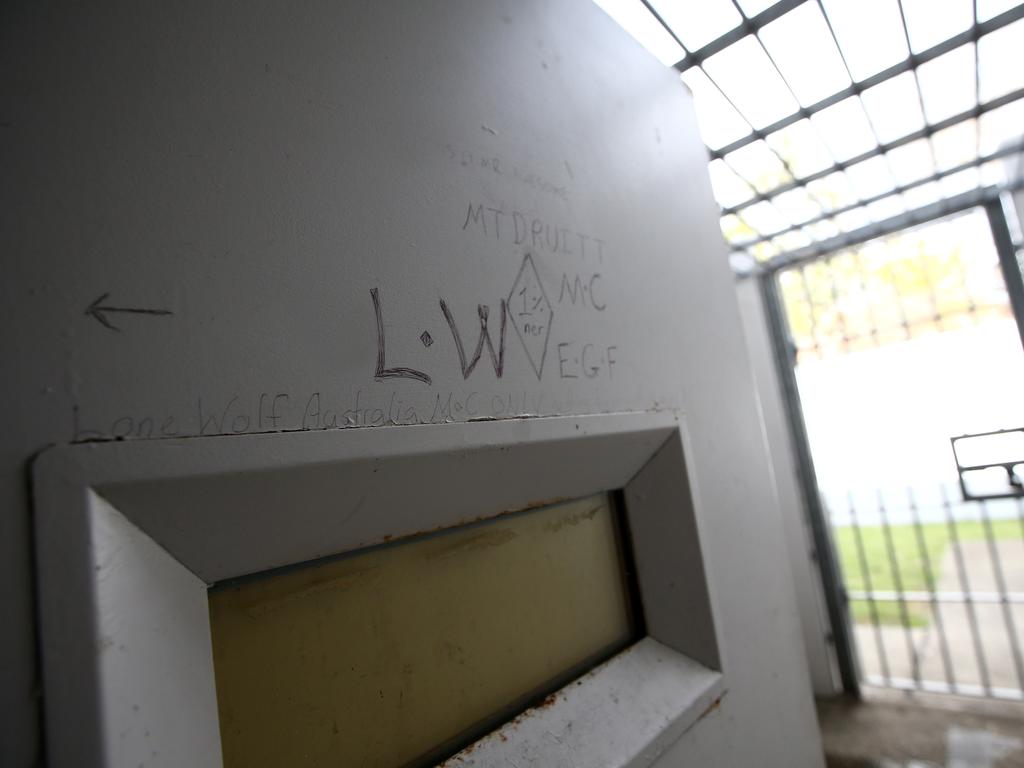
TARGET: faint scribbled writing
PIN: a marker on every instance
(490, 163)
(306, 412)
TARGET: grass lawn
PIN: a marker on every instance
(907, 546)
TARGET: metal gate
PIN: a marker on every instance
(891, 351)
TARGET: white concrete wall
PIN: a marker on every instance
(1014, 166)
(799, 541)
(261, 170)
(1018, 199)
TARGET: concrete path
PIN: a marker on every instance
(921, 731)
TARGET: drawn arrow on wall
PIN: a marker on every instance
(98, 310)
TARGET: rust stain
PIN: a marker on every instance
(711, 707)
(549, 701)
(480, 541)
(470, 521)
(502, 734)
(542, 503)
(573, 519)
(343, 582)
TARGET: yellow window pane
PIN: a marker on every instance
(404, 653)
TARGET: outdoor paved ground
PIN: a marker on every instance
(924, 647)
(890, 730)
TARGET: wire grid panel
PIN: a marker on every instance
(826, 119)
(936, 591)
(938, 277)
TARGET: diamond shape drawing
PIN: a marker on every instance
(531, 314)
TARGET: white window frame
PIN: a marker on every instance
(131, 534)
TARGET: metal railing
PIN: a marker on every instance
(929, 626)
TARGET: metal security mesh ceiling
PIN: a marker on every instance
(829, 122)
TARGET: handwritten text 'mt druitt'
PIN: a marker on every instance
(534, 233)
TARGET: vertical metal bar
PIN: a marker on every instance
(917, 80)
(785, 162)
(929, 579)
(829, 264)
(811, 310)
(915, 669)
(933, 299)
(1007, 261)
(977, 84)
(865, 573)
(896, 294)
(831, 579)
(745, 21)
(972, 307)
(664, 25)
(997, 571)
(965, 588)
(867, 292)
(849, 74)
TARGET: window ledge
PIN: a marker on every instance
(623, 714)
